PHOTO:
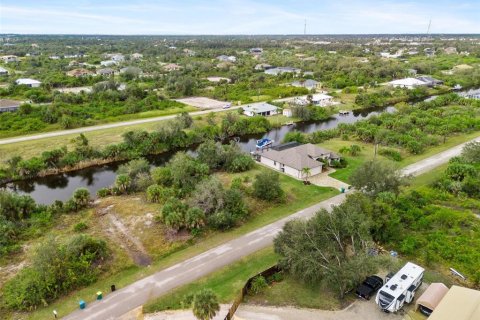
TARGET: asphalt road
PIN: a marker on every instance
(112, 125)
(162, 282)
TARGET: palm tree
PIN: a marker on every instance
(205, 305)
(306, 173)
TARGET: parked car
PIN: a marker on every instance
(368, 287)
(227, 106)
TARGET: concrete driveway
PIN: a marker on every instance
(359, 310)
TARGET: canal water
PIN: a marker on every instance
(61, 186)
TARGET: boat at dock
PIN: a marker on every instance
(264, 143)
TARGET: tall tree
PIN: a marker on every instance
(330, 247)
(375, 176)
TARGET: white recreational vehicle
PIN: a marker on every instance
(400, 289)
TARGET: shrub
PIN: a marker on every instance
(258, 285)
(81, 226)
(241, 163)
(57, 268)
(267, 186)
(158, 194)
(104, 192)
(162, 176)
(391, 154)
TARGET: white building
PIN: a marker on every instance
(225, 58)
(291, 158)
(108, 63)
(408, 83)
(9, 58)
(280, 70)
(261, 109)
(322, 100)
(3, 71)
(32, 83)
(287, 113)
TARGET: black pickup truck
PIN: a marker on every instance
(368, 287)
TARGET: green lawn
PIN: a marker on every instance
(367, 153)
(226, 282)
(300, 196)
(292, 292)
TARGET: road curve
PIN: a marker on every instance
(160, 283)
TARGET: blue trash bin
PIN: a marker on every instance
(82, 304)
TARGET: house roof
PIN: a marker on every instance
(105, 71)
(298, 156)
(429, 80)
(261, 107)
(27, 81)
(6, 103)
(459, 303)
(432, 296)
(407, 82)
(321, 96)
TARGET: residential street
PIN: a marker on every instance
(162, 282)
(114, 125)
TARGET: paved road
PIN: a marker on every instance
(112, 125)
(162, 282)
(436, 160)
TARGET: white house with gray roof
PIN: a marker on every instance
(291, 158)
(260, 109)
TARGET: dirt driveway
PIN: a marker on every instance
(359, 310)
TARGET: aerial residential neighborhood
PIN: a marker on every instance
(248, 160)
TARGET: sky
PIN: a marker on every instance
(220, 17)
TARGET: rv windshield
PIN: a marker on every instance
(384, 299)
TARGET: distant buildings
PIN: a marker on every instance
(281, 70)
(319, 99)
(256, 51)
(411, 83)
(108, 63)
(136, 56)
(308, 84)
(224, 58)
(171, 67)
(32, 83)
(9, 105)
(10, 58)
(450, 50)
(78, 73)
(261, 109)
(106, 72)
(117, 57)
(263, 66)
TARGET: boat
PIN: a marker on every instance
(457, 87)
(263, 143)
(290, 123)
(343, 112)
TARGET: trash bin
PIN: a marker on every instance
(112, 287)
(82, 304)
(99, 295)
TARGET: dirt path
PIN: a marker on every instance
(125, 238)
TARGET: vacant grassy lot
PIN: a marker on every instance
(226, 282)
(367, 153)
(292, 292)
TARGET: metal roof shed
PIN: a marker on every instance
(432, 296)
